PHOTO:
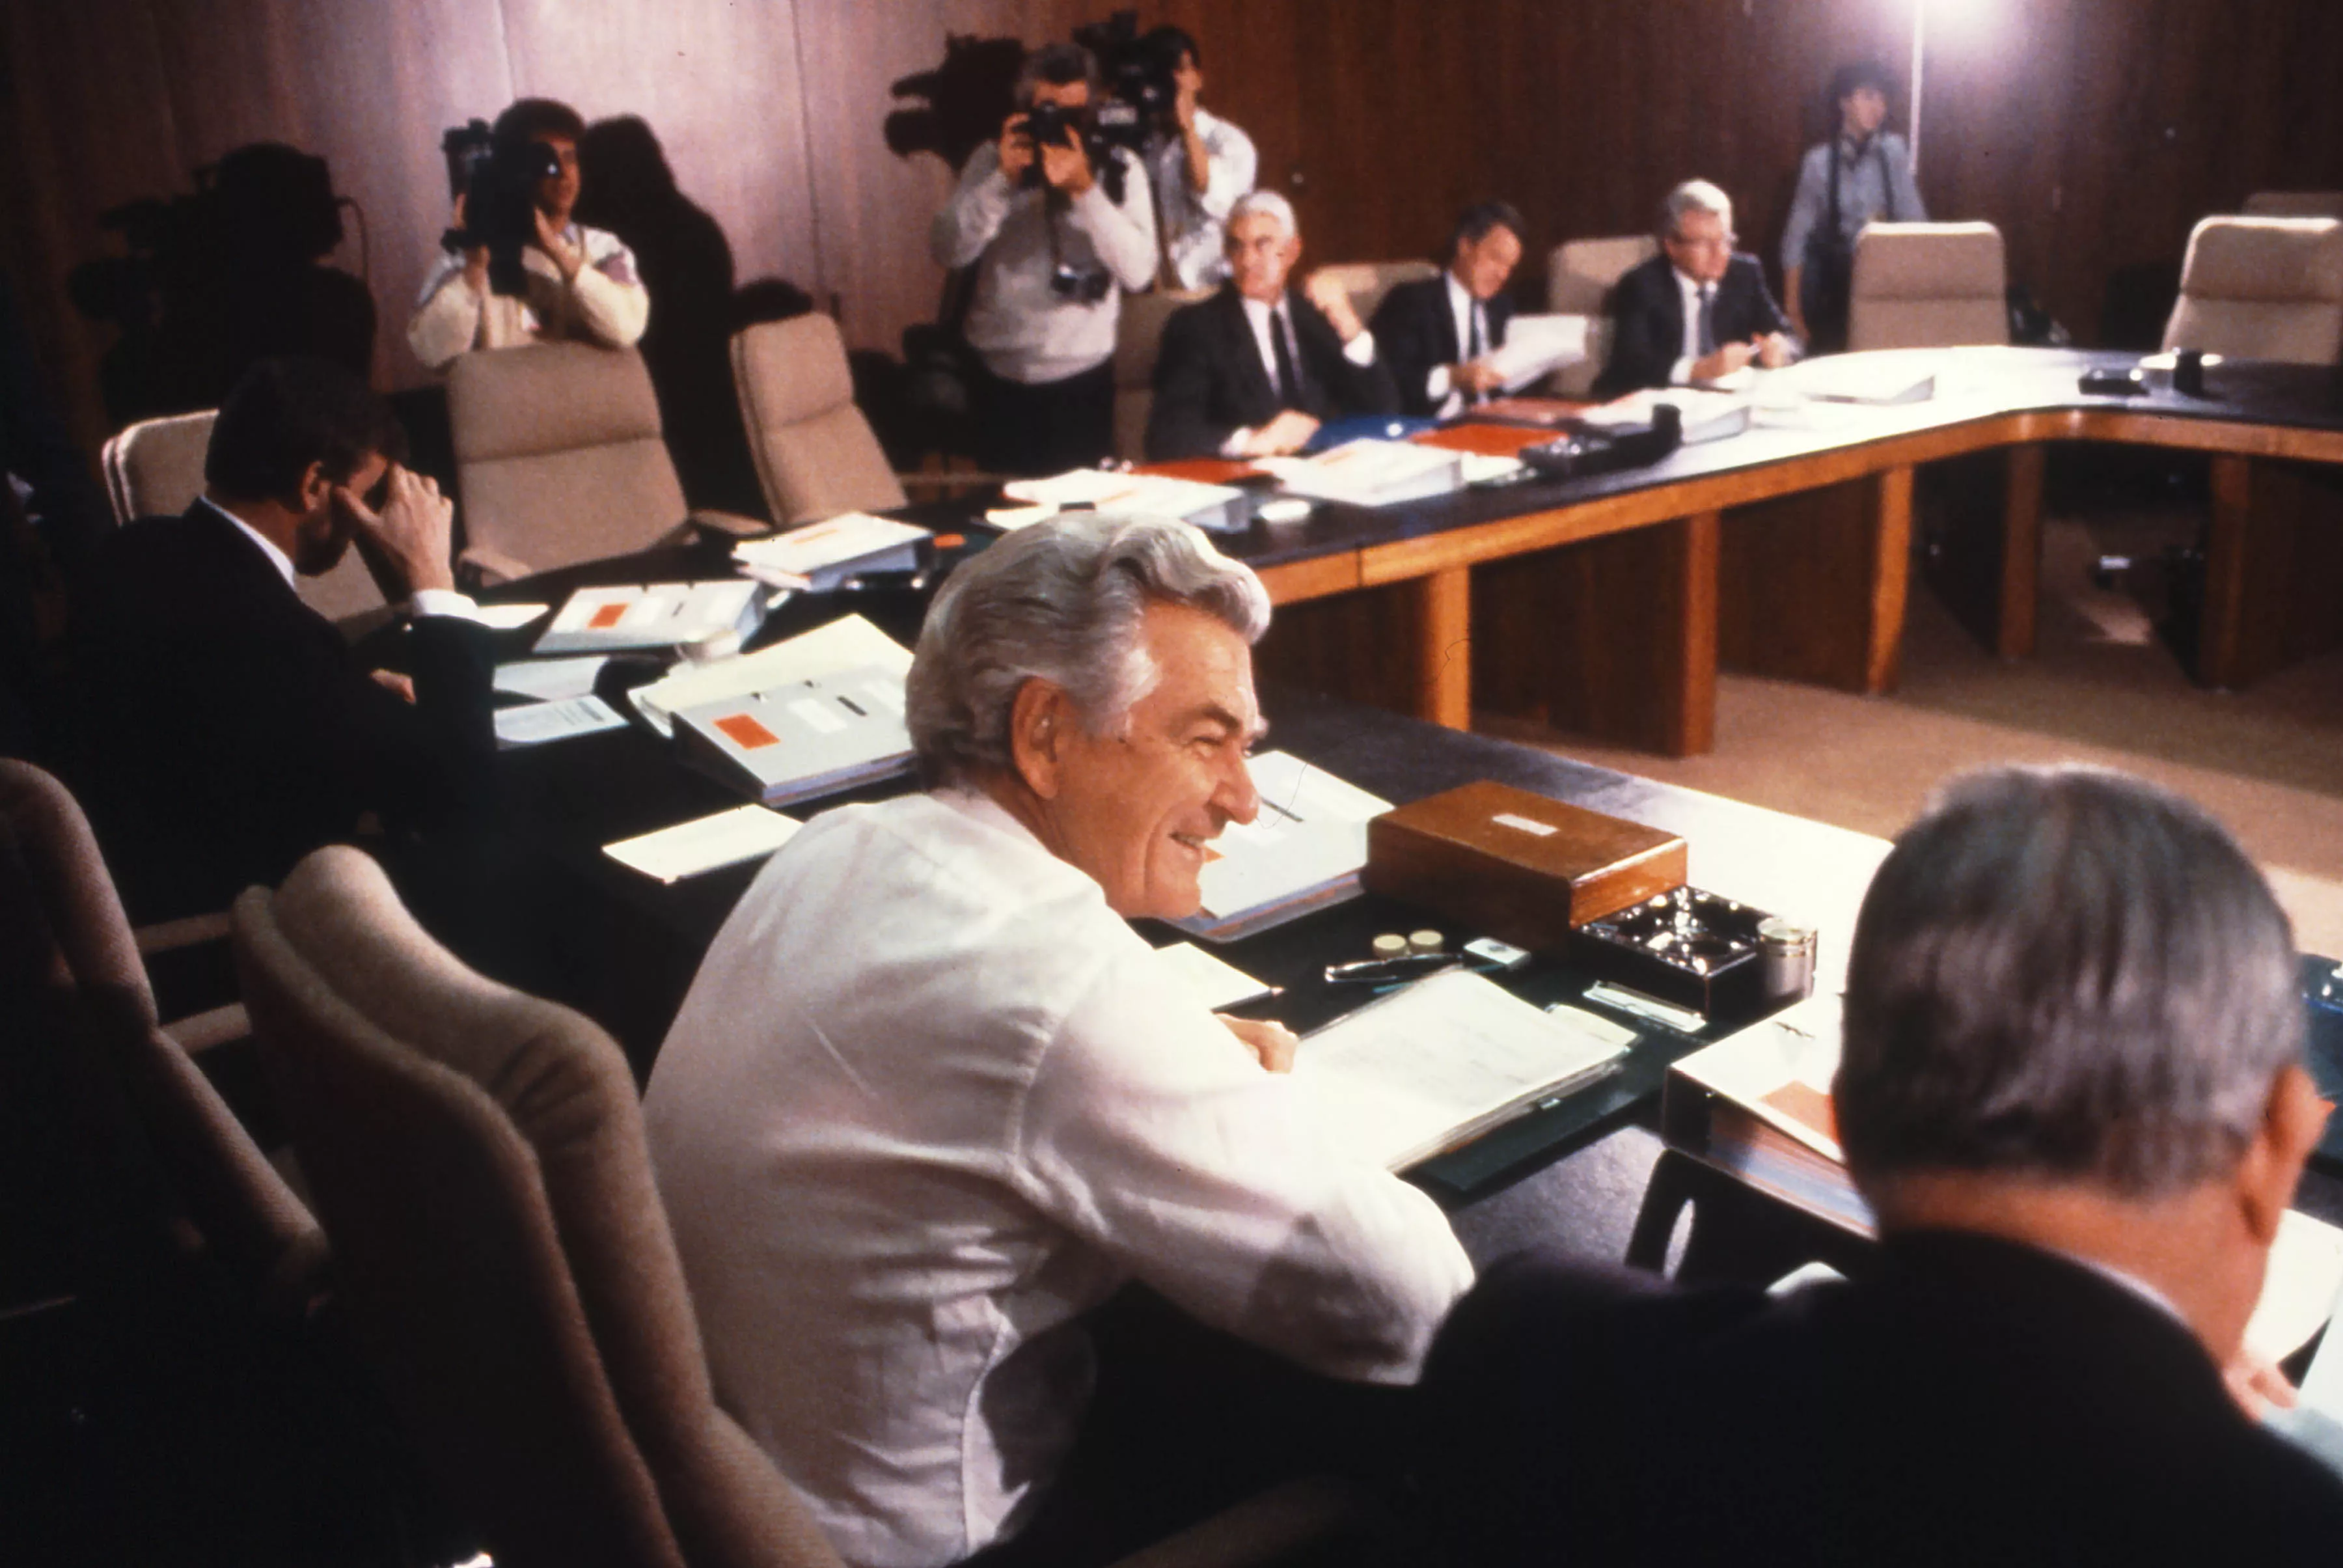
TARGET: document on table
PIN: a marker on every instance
(1536, 345)
(1434, 1065)
(846, 643)
(551, 679)
(705, 843)
(1216, 984)
(538, 722)
(507, 616)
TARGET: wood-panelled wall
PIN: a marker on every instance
(2092, 132)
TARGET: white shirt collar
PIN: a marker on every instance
(276, 557)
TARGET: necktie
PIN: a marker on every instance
(1289, 380)
(1473, 339)
(1708, 319)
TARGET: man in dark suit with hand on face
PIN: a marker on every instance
(1254, 370)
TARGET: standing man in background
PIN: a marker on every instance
(1198, 165)
(1054, 239)
(581, 282)
(1861, 175)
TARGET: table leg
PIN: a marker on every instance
(2021, 553)
(1891, 580)
(2220, 634)
(1688, 681)
(1445, 648)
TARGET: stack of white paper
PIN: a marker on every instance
(1219, 507)
(801, 738)
(705, 843)
(1303, 851)
(1707, 416)
(535, 723)
(662, 615)
(1538, 346)
(844, 644)
(1370, 473)
(1439, 1063)
(822, 555)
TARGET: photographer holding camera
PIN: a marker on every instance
(1056, 221)
(517, 269)
(1200, 165)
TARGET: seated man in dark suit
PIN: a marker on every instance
(1253, 371)
(230, 728)
(1699, 310)
(2072, 1092)
(1437, 332)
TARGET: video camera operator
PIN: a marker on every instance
(1200, 165)
(1057, 222)
(557, 279)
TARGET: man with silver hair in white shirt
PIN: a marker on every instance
(930, 1099)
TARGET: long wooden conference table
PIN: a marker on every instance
(1604, 604)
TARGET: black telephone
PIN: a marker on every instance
(1584, 449)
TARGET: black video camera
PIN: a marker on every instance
(1054, 125)
(497, 178)
(1137, 77)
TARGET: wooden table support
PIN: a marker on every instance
(1445, 646)
(2220, 635)
(1891, 580)
(1688, 725)
(2021, 552)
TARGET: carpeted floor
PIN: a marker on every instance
(2268, 761)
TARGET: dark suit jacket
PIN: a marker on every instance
(230, 729)
(1648, 320)
(1209, 379)
(1969, 1401)
(1415, 334)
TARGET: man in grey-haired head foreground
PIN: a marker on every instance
(930, 1099)
(2071, 1089)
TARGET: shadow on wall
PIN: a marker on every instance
(686, 265)
(968, 96)
(213, 280)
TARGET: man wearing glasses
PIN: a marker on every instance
(1697, 312)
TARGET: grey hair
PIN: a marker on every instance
(1056, 64)
(2065, 974)
(1059, 601)
(1694, 195)
(1268, 203)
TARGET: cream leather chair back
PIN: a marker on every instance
(559, 456)
(2295, 203)
(2262, 288)
(816, 454)
(1927, 286)
(1367, 282)
(1137, 334)
(155, 468)
(1579, 275)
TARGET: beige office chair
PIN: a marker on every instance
(1367, 282)
(1927, 286)
(162, 1166)
(1579, 278)
(2295, 203)
(155, 468)
(2262, 288)
(477, 1156)
(560, 457)
(1137, 334)
(816, 454)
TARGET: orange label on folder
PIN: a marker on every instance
(1809, 1106)
(606, 616)
(745, 732)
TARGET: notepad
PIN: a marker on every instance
(538, 722)
(550, 680)
(825, 554)
(705, 843)
(1439, 1063)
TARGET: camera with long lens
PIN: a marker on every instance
(1054, 125)
(497, 178)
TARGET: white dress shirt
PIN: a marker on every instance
(928, 1101)
(605, 302)
(1194, 222)
(1258, 314)
(1469, 314)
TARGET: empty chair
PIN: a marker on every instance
(2295, 203)
(816, 454)
(1578, 280)
(561, 459)
(2262, 288)
(1927, 286)
(1138, 334)
(477, 1157)
(162, 1158)
(155, 468)
(1367, 282)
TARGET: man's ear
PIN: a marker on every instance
(2292, 1119)
(1038, 728)
(316, 487)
